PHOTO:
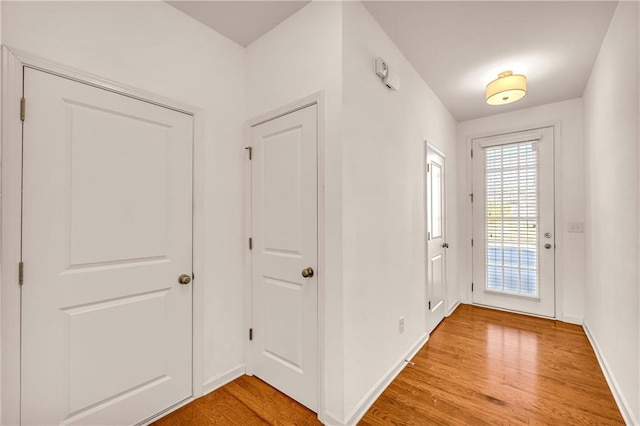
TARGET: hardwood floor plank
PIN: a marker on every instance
(188, 415)
(480, 367)
(223, 408)
(503, 367)
(273, 406)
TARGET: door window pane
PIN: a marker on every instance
(511, 218)
(436, 200)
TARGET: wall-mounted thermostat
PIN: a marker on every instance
(381, 68)
(389, 78)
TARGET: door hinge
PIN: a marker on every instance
(428, 167)
(251, 334)
(428, 236)
(250, 243)
(471, 286)
(472, 242)
(471, 153)
(23, 108)
(471, 195)
(429, 304)
(250, 149)
(21, 273)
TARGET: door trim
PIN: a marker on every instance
(556, 125)
(435, 149)
(13, 63)
(318, 100)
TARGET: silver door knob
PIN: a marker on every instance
(307, 272)
(445, 245)
(547, 246)
(184, 279)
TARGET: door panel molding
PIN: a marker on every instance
(284, 233)
(13, 64)
(435, 254)
(317, 99)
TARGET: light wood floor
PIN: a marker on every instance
(480, 366)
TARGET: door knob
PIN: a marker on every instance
(307, 272)
(547, 246)
(184, 279)
(445, 245)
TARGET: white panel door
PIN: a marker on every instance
(513, 222)
(107, 207)
(285, 240)
(436, 240)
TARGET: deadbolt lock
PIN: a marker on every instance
(184, 279)
(307, 272)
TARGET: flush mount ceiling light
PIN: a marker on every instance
(506, 88)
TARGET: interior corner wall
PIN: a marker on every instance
(571, 246)
(611, 114)
(384, 205)
(300, 57)
(0, 157)
(154, 47)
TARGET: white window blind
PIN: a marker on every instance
(512, 218)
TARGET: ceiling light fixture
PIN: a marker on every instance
(506, 88)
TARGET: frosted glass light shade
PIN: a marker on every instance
(506, 88)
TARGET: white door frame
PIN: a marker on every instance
(558, 216)
(13, 62)
(314, 99)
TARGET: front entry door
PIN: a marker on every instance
(106, 327)
(285, 254)
(513, 222)
(436, 240)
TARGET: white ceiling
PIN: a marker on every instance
(240, 21)
(459, 46)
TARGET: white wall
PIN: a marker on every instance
(374, 211)
(570, 246)
(611, 116)
(374, 230)
(154, 47)
(383, 196)
(298, 58)
(0, 218)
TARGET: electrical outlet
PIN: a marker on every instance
(401, 324)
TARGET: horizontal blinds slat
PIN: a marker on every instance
(511, 198)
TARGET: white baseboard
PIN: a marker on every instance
(623, 406)
(220, 380)
(207, 387)
(332, 420)
(572, 320)
(365, 403)
(453, 308)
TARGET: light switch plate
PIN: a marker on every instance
(576, 227)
